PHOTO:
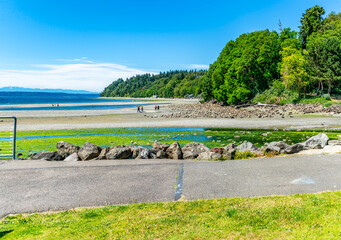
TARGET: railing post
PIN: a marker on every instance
(14, 136)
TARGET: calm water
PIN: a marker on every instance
(10, 98)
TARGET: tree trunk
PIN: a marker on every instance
(318, 88)
(329, 87)
(305, 92)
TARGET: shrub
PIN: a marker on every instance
(246, 154)
(326, 96)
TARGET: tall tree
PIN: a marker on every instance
(293, 69)
(245, 67)
(324, 54)
(311, 22)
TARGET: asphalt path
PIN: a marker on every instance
(32, 186)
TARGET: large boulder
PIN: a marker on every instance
(226, 155)
(334, 142)
(47, 155)
(72, 158)
(160, 146)
(144, 154)
(193, 149)
(174, 151)
(231, 149)
(135, 151)
(277, 147)
(65, 149)
(247, 146)
(89, 151)
(317, 142)
(103, 154)
(160, 150)
(119, 153)
(294, 148)
(210, 156)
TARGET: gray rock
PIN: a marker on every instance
(317, 142)
(103, 154)
(144, 154)
(210, 156)
(192, 150)
(231, 149)
(334, 142)
(47, 155)
(72, 158)
(161, 154)
(294, 148)
(136, 151)
(89, 151)
(65, 149)
(119, 153)
(275, 147)
(160, 146)
(174, 151)
(247, 146)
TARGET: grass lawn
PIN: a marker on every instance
(308, 216)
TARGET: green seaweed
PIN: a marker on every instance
(35, 141)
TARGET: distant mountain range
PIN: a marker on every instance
(21, 89)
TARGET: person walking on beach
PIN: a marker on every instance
(138, 109)
(141, 108)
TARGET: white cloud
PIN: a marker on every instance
(83, 59)
(79, 76)
(198, 66)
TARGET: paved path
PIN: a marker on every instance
(28, 186)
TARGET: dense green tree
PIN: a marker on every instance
(168, 84)
(244, 68)
(311, 22)
(293, 69)
(324, 54)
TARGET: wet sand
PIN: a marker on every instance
(128, 117)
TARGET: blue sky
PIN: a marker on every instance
(83, 44)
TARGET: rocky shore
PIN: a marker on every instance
(216, 110)
(69, 152)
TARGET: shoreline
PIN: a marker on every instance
(128, 117)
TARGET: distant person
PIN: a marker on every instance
(155, 107)
(138, 109)
(141, 108)
(158, 107)
(58, 105)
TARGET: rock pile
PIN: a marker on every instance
(69, 152)
(215, 110)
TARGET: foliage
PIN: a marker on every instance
(245, 67)
(311, 22)
(306, 216)
(168, 84)
(245, 155)
(293, 69)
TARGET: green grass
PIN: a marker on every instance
(146, 136)
(309, 216)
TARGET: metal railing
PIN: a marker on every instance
(8, 138)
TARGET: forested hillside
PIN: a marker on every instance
(168, 84)
(272, 66)
(266, 66)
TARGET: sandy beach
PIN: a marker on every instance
(128, 117)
